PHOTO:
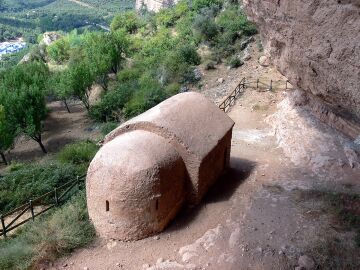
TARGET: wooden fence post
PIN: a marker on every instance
(3, 225)
(56, 197)
(32, 210)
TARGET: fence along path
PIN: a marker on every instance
(58, 194)
(256, 84)
(49, 200)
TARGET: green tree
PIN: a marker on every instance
(77, 81)
(22, 92)
(26, 109)
(197, 5)
(59, 51)
(105, 52)
(129, 21)
(59, 87)
(7, 134)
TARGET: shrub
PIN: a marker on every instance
(234, 20)
(209, 64)
(111, 105)
(174, 69)
(166, 17)
(128, 75)
(80, 153)
(206, 27)
(235, 62)
(172, 89)
(50, 236)
(108, 127)
(25, 182)
(197, 5)
(184, 28)
(150, 94)
(129, 21)
(189, 55)
(59, 51)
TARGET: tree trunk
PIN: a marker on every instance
(85, 100)
(42, 147)
(39, 141)
(103, 81)
(3, 158)
(66, 105)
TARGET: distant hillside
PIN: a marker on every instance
(29, 18)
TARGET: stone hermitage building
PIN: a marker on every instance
(153, 164)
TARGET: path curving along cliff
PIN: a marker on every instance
(315, 44)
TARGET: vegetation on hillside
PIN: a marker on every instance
(32, 17)
(48, 237)
(144, 59)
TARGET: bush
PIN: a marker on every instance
(150, 94)
(172, 89)
(80, 153)
(31, 181)
(234, 20)
(111, 105)
(189, 55)
(174, 69)
(129, 21)
(184, 28)
(197, 5)
(50, 236)
(235, 62)
(206, 27)
(166, 17)
(128, 75)
(59, 51)
(108, 127)
(209, 64)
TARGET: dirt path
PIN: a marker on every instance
(261, 214)
(60, 128)
(81, 3)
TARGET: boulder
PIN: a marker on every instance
(264, 61)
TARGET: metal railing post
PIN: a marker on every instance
(32, 210)
(3, 225)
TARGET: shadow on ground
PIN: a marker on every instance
(222, 190)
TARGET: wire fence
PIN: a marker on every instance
(27, 212)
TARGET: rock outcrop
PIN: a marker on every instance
(154, 5)
(316, 45)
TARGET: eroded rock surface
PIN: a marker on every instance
(316, 45)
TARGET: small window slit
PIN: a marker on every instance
(107, 206)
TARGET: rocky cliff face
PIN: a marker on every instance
(154, 5)
(316, 44)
